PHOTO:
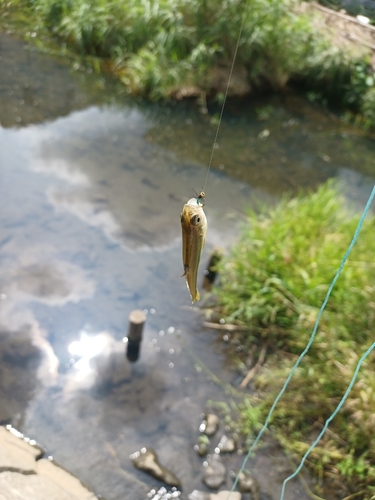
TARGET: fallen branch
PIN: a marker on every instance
(254, 369)
(226, 326)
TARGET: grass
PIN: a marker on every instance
(159, 47)
(274, 282)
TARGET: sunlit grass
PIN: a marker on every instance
(158, 46)
(274, 281)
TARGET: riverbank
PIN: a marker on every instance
(272, 286)
(180, 49)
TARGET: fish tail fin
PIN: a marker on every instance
(197, 297)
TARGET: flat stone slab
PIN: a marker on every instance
(16, 486)
(24, 477)
(16, 454)
(48, 470)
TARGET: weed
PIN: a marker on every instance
(274, 281)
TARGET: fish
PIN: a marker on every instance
(194, 229)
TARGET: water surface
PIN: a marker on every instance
(92, 185)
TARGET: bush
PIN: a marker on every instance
(157, 46)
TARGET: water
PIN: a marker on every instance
(92, 184)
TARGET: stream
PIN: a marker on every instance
(92, 183)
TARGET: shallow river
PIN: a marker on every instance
(91, 186)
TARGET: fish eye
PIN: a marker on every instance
(195, 220)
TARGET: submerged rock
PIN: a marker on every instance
(247, 483)
(210, 424)
(227, 444)
(221, 495)
(214, 474)
(202, 447)
(147, 460)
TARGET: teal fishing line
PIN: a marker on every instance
(312, 337)
(329, 419)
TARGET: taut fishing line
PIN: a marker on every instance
(193, 218)
(214, 145)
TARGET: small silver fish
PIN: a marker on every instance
(194, 228)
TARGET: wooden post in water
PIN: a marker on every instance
(137, 319)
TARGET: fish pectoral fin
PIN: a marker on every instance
(186, 269)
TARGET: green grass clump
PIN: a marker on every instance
(275, 281)
(175, 48)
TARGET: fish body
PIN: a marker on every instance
(194, 228)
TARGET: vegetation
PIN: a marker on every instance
(163, 48)
(274, 282)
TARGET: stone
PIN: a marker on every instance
(201, 449)
(210, 424)
(214, 474)
(247, 483)
(221, 495)
(202, 446)
(16, 454)
(199, 495)
(226, 495)
(147, 460)
(48, 469)
(15, 486)
(227, 444)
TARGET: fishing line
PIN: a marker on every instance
(350, 386)
(312, 337)
(214, 146)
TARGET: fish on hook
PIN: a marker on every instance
(194, 228)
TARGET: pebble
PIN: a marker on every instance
(221, 495)
(147, 460)
(210, 424)
(214, 474)
(227, 444)
(202, 446)
(247, 483)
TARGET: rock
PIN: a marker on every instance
(227, 444)
(199, 495)
(210, 424)
(201, 449)
(247, 483)
(215, 472)
(202, 446)
(14, 485)
(147, 460)
(221, 495)
(17, 455)
(23, 474)
(52, 472)
(226, 495)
